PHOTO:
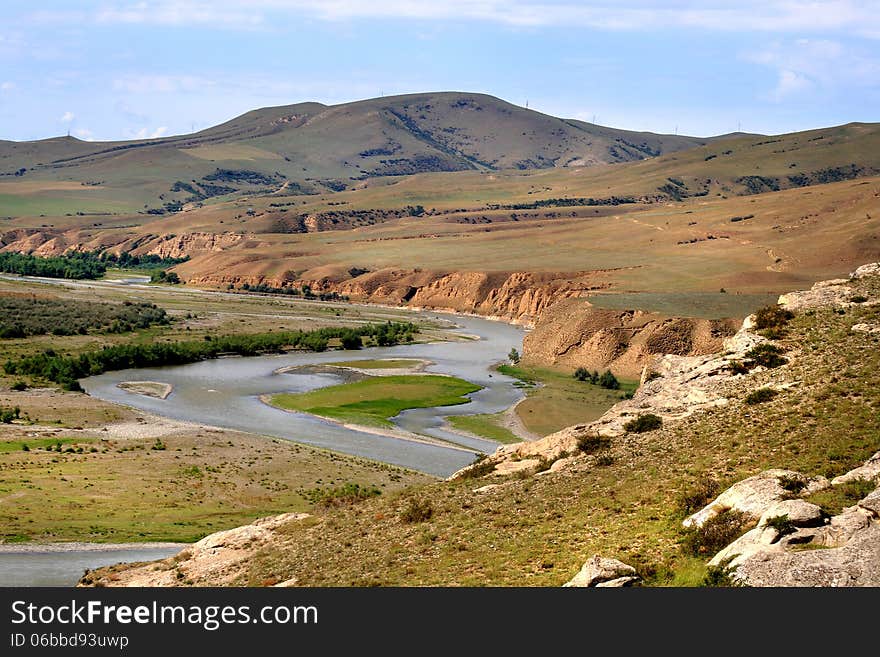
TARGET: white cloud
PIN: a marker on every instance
(7, 86)
(85, 134)
(804, 65)
(67, 117)
(146, 133)
(782, 16)
(160, 84)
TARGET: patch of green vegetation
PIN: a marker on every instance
(643, 423)
(376, 400)
(782, 524)
(555, 400)
(74, 265)
(716, 533)
(345, 495)
(767, 355)
(416, 510)
(760, 396)
(23, 316)
(485, 425)
(66, 370)
(59, 445)
(592, 443)
(835, 499)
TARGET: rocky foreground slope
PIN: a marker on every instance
(797, 466)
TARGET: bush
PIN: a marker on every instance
(582, 374)
(417, 510)
(760, 396)
(782, 524)
(592, 443)
(738, 367)
(479, 468)
(858, 298)
(609, 381)
(7, 415)
(513, 356)
(792, 484)
(721, 575)
(604, 460)
(716, 533)
(767, 355)
(18, 386)
(772, 317)
(643, 423)
(694, 498)
(345, 495)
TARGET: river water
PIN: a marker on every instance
(63, 566)
(225, 392)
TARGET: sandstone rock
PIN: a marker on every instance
(764, 538)
(866, 328)
(601, 569)
(869, 471)
(218, 558)
(872, 503)
(871, 269)
(855, 563)
(486, 488)
(753, 496)
(617, 583)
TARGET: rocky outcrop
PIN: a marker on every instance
(573, 333)
(835, 293)
(795, 544)
(756, 495)
(217, 559)
(604, 573)
(683, 386)
(870, 471)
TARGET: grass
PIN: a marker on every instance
(630, 509)
(555, 400)
(375, 401)
(379, 363)
(485, 425)
(202, 482)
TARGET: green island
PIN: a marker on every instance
(374, 401)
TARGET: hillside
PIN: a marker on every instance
(313, 148)
(534, 512)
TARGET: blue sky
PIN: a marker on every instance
(107, 69)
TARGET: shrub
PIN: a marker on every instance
(609, 381)
(604, 460)
(698, 495)
(345, 495)
(417, 510)
(716, 533)
(782, 524)
(721, 575)
(760, 396)
(582, 374)
(643, 423)
(792, 484)
(771, 321)
(858, 298)
(738, 367)
(592, 443)
(513, 356)
(479, 468)
(18, 386)
(767, 355)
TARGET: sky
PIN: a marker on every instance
(109, 70)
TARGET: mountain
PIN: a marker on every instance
(332, 147)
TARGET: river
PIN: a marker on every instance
(226, 392)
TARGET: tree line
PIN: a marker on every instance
(66, 370)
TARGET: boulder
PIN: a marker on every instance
(602, 570)
(755, 495)
(869, 471)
